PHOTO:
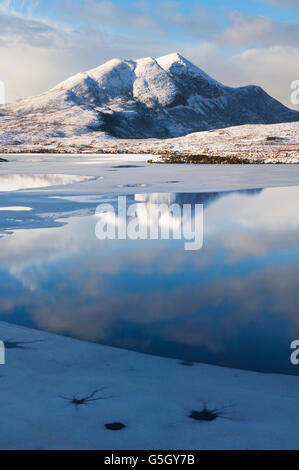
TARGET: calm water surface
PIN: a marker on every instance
(233, 303)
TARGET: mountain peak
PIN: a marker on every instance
(169, 60)
(173, 57)
(178, 66)
(144, 98)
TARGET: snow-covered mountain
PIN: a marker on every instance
(145, 98)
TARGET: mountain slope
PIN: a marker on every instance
(145, 98)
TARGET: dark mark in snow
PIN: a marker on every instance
(208, 415)
(19, 344)
(115, 426)
(84, 400)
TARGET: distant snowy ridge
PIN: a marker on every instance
(146, 98)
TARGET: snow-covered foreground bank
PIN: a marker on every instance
(152, 397)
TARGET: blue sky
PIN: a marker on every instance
(42, 42)
(277, 10)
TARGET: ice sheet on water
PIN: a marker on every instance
(15, 182)
(15, 209)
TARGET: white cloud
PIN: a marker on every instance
(274, 68)
(259, 31)
(36, 55)
(282, 3)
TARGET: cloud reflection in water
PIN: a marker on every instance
(232, 303)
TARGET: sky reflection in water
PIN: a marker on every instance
(233, 303)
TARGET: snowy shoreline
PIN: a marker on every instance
(250, 144)
(151, 396)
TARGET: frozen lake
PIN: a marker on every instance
(232, 303)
